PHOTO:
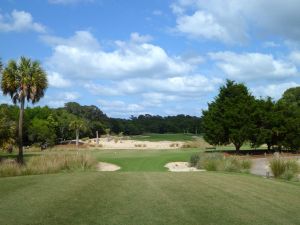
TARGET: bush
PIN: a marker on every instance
(232, 164)
(277, 166)
(194, 160)
(210, 162)
(218, 162)
(283, 167)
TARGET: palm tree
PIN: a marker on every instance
(77, 125)
(24, 80)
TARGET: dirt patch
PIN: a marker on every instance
(103, 166)
(180, 167)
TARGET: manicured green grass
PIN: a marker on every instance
(164, 137)
(143, 160)
(147, 198)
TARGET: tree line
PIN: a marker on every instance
(236, 116)
(53, 125)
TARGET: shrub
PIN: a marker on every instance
(194, 160)
(277, 166)
(210, 162)
(232, 164)
(218, 162)
(283, 167)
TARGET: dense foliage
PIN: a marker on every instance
(235, 116)
(48, 125)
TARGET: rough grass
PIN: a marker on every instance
(47, 163)
(147, 198)
(218, 162)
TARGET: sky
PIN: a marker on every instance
(157, 57)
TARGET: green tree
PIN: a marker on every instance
(7, 131)
(41, 131)
(289, 109)
(265, 122)
(227, 119)
(77, 126)
(23, 81)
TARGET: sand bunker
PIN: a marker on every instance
(180, 167)
(103, 166)
(109, 143)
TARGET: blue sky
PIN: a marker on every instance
(158, 57)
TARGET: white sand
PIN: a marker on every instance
(110, 143)
(103, 166)
(180, 167)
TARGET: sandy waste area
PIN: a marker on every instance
(107, 143)
(180, 167)
(103, 166)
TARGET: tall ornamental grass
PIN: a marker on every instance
(285, 168)
(48, 163)
(219, 162)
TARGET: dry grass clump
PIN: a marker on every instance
(48, 163)
(218, 162)
(284, 167)
(9, 168)
(174, 145)
(140, 145)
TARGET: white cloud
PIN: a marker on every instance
(81, 57)
(155, 99)
(295, 57)
(136, 37)
(234, 20)
(121, 106)
(19, 21)
(179, 86)
(273, 90)
(69, 96)
(56, 80)
(251, 66)
(202, 24)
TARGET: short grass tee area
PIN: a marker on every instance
(143, 192)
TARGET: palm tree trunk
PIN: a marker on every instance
(77, 137)
(21, 116)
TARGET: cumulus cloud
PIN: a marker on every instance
(56, 80)
(19, 21)
(180, 85)
(251, 66)
(295, 57)
(273, 90)
(232, 21)
(121, 108)
(81, 56)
